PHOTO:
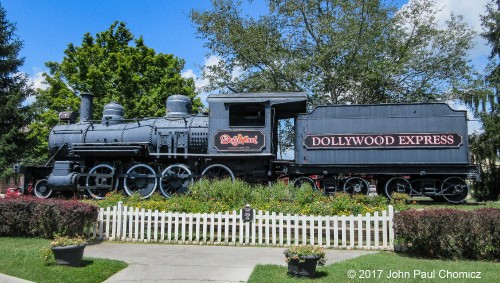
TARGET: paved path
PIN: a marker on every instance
(184, 263)
(9, 279)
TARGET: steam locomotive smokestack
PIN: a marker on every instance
(86, 107)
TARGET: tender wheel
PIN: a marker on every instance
(304, 180)
(41, 189)
(454, 190)
(356, 185)
(217, 172)
(100, 180)
(397, 185)
(175, 179)
(141, 178)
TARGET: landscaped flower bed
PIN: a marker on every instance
(224, 195)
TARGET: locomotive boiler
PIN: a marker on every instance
(417, 149)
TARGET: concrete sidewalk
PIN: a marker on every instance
(9, 279)
(185, 263)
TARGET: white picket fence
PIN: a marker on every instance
(122, 223)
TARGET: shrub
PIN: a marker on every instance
(29, 216)
(301, 252)
(224, 195)
(234, 194)
(400, 201)
(448, 233)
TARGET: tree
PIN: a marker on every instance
(14, 89)
(338, 51)
(486, 104)
(111, 69)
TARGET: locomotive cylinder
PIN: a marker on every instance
(63, 176)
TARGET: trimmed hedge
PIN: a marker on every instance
(449, 233)
(34, 217)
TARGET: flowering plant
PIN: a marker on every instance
(60, 241)
(63, 241)
(301, 253)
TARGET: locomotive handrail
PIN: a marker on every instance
(110, 143)
(54, 155)
(212, 155)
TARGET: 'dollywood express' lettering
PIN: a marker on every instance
(383, 140)
(237, 140)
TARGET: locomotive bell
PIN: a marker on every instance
(112, 114)
(178, 106)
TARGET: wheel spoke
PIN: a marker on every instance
(304, 180)
(454, 189)
(175, 179)
(101, 181)
(217, 171)
(356, 185)
(397, 185)
(140, 178)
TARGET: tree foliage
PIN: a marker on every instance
(111, 68)
(486, 104)
(338, 51)
(14, 89)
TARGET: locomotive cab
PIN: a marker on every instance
(246, 125)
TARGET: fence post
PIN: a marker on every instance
(376, 223)
(368, 231)
(384, 229)
(391, 227)
(119, 220)
(101, 223)
(360, 231)
(124, 222)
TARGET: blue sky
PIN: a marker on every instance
(47, 26)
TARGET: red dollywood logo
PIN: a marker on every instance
(238, 140)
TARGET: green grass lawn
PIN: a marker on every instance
(427, 203)
(21, 257)
(377, 267)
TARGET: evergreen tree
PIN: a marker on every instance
(14, 89)
(486, 146)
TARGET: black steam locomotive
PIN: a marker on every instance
(417, 149)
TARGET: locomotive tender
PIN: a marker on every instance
(417, 149)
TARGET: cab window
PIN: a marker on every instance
(247, 115)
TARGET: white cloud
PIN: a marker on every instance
(39, 81)
(473, 125)
(201, 82)
(189, 74)
(471, 12)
